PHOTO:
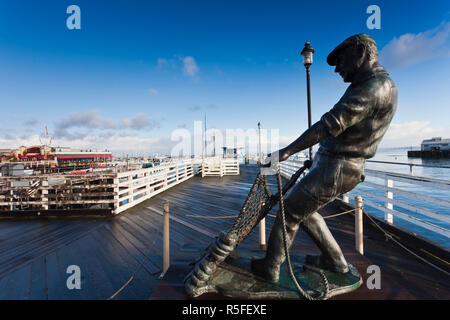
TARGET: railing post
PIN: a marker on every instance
(262, 234)
(346, 198)
(203, 168)
(44, 194)
(11, 195)
(359, 225)
(116, 182)
(389, 203)
(166, 238)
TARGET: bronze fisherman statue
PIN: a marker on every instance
(348, 135)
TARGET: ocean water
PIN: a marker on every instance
(400, 156)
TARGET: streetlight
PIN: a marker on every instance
(259, 142)
(307, 54)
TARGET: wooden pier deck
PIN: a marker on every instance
(35, 253)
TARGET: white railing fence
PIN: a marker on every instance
(136, 186)
(392, 195)
(116, 190)
(219, 166)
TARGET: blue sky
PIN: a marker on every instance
(137, 70)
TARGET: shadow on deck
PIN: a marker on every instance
(35, 254)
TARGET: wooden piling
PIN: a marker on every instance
(359, 242)
(262, 234)
(166, 238)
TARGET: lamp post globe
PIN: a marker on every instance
(307, 54)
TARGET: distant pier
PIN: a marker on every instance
(107, 192)
(429, 154)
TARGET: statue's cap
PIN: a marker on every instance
(351, 41)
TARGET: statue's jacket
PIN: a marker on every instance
(356, 125)
(361, 117)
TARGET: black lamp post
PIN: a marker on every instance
(259, 142)
(307, 54)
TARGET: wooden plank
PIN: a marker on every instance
(150, 261)
(56, 280)
(16, 285)
(38, 285)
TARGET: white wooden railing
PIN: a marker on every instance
(381, 195)
(219, 166)
(133, 187)
(114, 189)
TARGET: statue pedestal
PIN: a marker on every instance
(234, 280)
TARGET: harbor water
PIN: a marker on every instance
(436, 171)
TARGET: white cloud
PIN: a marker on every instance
(411, 134)
(162, 63)
(118, 144)
(187, 65)
(91, 121)
(196, 107)
(31, 122)
(139, 122)
(123, 142)
(412, 48)
(153, 91)
(190, 67)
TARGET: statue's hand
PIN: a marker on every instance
(283, 154)
(272, 158)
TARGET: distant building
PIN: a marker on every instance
(34, 153)
(59, 155)
(5, 154)
(65, 155)
(436, 143)
(6, 151)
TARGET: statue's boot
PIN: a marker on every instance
(331, 257)
(269, 266)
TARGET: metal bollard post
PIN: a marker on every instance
(262, 234)
(166, 238)
(359, 225)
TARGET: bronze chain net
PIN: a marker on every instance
(258, 203)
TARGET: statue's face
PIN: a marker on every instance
(348, 63)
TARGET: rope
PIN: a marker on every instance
(141, 264)
(123, 287)
(405, 248)
(211, 217)
(307, 296)
(326, 217)
(269, 214)
(338, 214)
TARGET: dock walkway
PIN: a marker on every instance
(35, 253)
